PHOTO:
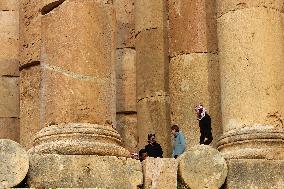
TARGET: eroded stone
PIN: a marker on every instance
(202, 167)
(10, 128)
(14, 163)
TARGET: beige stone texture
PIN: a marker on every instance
(14, 163)
(30, 32)
(84, 171)
(127, 128)
(126, 80)
(194, 79)
(10, 128)
(79, 139)
(251, 63)
(9, 37)
(150, 14)
(30, 104)
(80, 24)
(255, 174)
(160, 173)
(153, 117)
(151, 63)
(75, 99)
(9, 97)
(225, 6)
(125, 23)
(9, 5)
(202, 167)
(192, 26)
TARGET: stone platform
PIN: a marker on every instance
(84, 171)
(255, 174)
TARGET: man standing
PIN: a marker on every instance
(178, 141)
(204, 125)
(153, 149)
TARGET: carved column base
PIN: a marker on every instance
(79, 139)
(257, 142)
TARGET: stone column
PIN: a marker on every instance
(152, 72)
(9, 70)
(30, 40)
(251, 44)
(194, 67)
(126, 113)
(77, 94)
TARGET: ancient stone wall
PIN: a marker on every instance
(9, 70)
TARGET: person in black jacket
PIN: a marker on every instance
(204, 125)
(153, 149)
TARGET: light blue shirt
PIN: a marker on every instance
(178, 144)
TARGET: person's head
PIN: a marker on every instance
(200, 111)
(151, 138)
(143, 154)
(174, 129)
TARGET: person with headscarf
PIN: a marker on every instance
(153, 149)
(204, 125)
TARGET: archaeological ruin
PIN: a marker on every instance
(83, 83)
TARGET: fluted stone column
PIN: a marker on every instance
(251, 44)
(77, 107)
(194, 66)
(126, 113)
(9, 70)
(152, 72)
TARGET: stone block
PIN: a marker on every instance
(30, 104)
(10, 128)
(225, 6)
(202, 167)
(192, 26)
(127, 128)
(153, 116)
(9, 35)
(151, 63)
(126, 80)
(160, 173)
(150, 14)
(9, 5)
(30, 31)
(125, 23)
(69, 97)
(195, 79)
(79, 25)
(255, 174)
(84, 171)
(9, 97)
(14, 163)
(251, 60)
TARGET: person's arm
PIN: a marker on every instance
(160, 154)
(182, 141)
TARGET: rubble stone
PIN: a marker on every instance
(202, 167)
(14, 163)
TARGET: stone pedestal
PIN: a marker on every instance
(152, 72)
(83, 171)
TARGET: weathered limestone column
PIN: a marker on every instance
(194, 67)
(152, 72)
(9, 70)
(251, 44)
(126, 113)
(30, 40)
(77, 107)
